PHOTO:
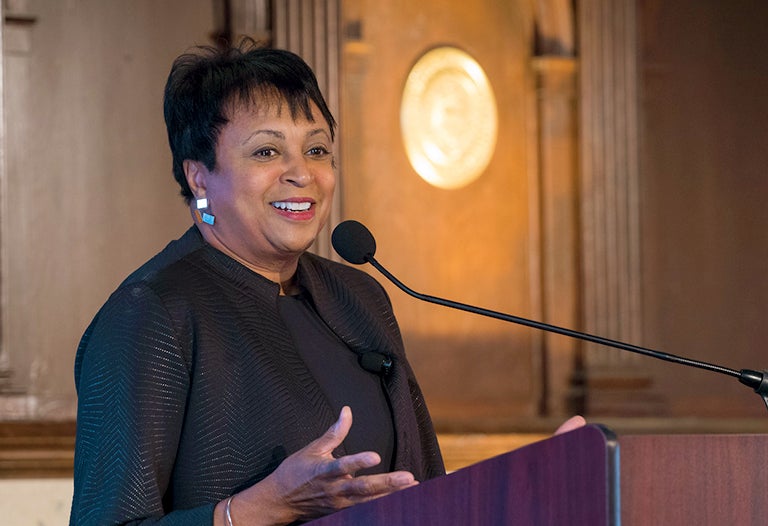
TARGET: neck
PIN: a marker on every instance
(280, 270)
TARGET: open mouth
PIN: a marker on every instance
(291, 206)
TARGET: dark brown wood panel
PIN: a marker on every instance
(704, 195)
(472, 244)
(37, 449)
(693, 479)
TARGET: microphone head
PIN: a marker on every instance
(353, 241)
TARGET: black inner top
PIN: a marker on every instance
(343, 380)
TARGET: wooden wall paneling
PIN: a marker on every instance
(36, 450)
(6, 373)
(252, 18)
(559, 252)
(556, 144)
(610, 226)
(471, 244)
(5, 368)
(705, 241)
(14, 45)
(86, 168)
(555, 28)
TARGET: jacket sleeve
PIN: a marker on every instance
(132, 379)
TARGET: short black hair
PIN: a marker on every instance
(205, 81)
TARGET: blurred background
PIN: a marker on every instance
(624, 196)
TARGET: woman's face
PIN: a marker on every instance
(272, 186)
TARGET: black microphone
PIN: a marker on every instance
(355, 243)
(375, 362)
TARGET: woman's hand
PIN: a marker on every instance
(312, 483)
(572, 423)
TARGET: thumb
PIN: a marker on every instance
(335, 435)
(572, 423)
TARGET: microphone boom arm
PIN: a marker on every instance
(751, 378)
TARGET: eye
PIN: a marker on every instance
(265, 153)
(318, 151)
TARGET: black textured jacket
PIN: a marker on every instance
(190, 389)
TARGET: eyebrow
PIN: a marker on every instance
(273, 133)
(280, 135)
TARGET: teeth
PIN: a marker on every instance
(291, 206)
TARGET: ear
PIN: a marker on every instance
(196, 174)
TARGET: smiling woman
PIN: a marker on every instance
(271, 187)
(218, 382)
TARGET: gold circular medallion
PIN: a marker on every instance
(448, 118)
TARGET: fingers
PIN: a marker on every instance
(368, 487)
(312, 482)
(572, 423)
(323, 447)
(350, 464)
(335, 435)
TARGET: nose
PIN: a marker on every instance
(297, 172)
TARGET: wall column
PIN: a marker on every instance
(559, 251)
(610, 224)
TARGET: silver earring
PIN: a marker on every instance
(202, 212)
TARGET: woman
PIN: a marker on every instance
(218, 382)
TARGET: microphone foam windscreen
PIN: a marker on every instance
(353, 241)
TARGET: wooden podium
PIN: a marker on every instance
(590, 477)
